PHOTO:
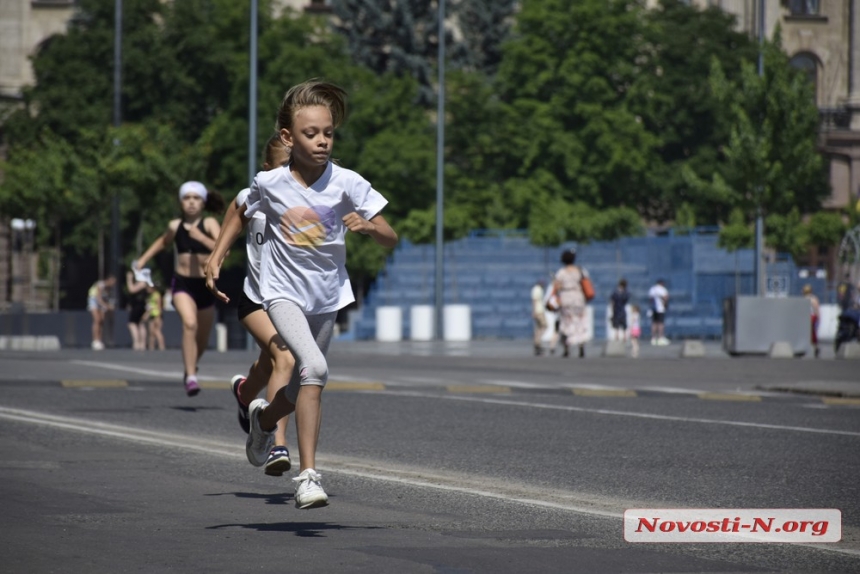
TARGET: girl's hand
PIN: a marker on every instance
(212, 271)
(377, 228)
(355, 222)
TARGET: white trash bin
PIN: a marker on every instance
(458, 323)
(389, 323)
(422, 319)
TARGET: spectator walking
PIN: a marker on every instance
(619, 299)
(538, 315)
(659, 296)
(635, 325)
(98, 303)
(573, 326)
(137, 296)
(814, 313)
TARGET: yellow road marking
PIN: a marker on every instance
(101, 384)
(214, 384)
(478, 389)
(840, 401)
(354, 386)
(729, 397)
(604, 393)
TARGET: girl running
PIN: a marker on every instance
(193, 236)
(309, 206)
(274, 366)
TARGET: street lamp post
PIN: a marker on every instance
(759, 221)
(115, 253)
(440, 172)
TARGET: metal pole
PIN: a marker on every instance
(440, 172)
(252, 96)
(759, 220)
(252, 116)
(115, 252)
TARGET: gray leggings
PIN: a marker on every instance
(308, 338)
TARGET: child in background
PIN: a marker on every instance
(634, 324)
(154, 310)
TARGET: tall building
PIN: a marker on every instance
(822, 37)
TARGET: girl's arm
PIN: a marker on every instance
(132, 285)
(228, 233)
(210, 224)
(157, 245)
(377, 228)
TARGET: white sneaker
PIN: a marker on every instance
(259, 442)
(309, 493)
(98, 346)
(663, 341)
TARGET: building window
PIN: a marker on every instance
(804, 7)
(808, 64)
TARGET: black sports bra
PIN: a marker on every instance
(184, 243)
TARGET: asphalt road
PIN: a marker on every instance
(436, 458)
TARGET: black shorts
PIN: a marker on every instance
(246, 306)
(196, 288)
(136, 312)
(619, 322)
(658, 318)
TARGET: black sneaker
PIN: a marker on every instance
(244, 421)
(278, 462)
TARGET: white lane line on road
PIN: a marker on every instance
(609, 412)
(363, 469)
(148, 372)
(376, 471)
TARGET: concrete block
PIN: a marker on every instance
(692, 349)
(24, 343)
(848, 351)
(781, 350)
(4, 343)
(47, 343)
(221, 337)
(615, 349)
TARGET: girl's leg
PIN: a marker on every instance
(272, 369)
(159, 334)
(97, 324)
(205, 320)
(308, 337)
(187, 309)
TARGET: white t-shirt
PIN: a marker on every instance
(256, 236)
(658, 295)
(538, 305)
(304, 250)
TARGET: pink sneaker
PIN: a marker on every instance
(191, 386)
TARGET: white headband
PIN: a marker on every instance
(193, 187)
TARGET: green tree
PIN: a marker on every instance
(564, 83)
(771, 158)
(677, 104)
(736, 233)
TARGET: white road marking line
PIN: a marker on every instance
(149, 372)
(374, 471)
(609, 412)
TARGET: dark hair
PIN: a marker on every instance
(623, 283)
(568, 256)
(312, 93)
(214, 202)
